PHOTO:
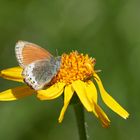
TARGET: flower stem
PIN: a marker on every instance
(79, 113)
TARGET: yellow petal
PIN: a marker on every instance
(79, 87)
(91, 94)
(14, 74)
(102, 116)
(91, 91)
(109, 101)
(16, 93)
(52, 92)
(68, 93)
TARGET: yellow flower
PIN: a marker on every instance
(74, 77)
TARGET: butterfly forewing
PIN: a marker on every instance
(27, 53)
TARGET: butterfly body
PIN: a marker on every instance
(39, 66)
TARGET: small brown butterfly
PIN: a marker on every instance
(39, 66)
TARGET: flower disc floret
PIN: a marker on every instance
(74, 66)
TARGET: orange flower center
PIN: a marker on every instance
(74, 66)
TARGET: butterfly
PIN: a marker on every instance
(39, 66)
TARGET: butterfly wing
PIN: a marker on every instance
(41, 72)
(27, 53)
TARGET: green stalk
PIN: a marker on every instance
(80, 118)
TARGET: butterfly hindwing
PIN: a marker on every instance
(40, 72)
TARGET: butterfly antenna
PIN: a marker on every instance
(56, 52)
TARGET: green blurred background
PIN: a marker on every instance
(108, 30)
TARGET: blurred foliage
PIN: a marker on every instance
(107, 30)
